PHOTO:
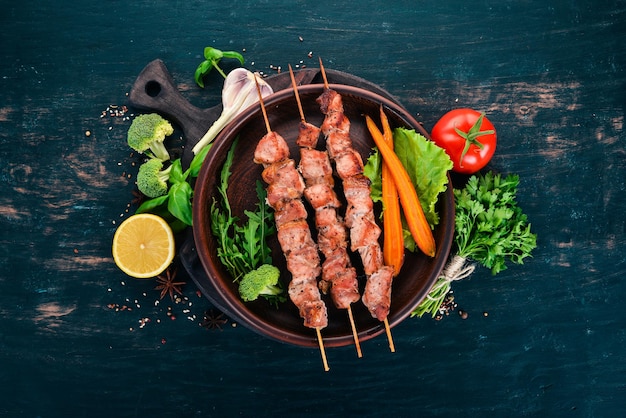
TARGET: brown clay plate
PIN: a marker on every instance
(284, 324)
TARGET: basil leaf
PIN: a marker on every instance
(201, 71)
(150, 205)
(233, 54)
(176, 173)
(212, 54)
(197, 161)
(179, 203)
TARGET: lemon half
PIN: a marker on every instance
(143, 245)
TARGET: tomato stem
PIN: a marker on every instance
(471, 135)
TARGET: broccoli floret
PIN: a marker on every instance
(147, 133)
(152, 179)
(260, 282)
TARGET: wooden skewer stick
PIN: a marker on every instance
(322, 351)
(295, 91)
(386, 322)
(355, 334)
(320, 341)
(389, 338)
(265, 118)
(323, 74)
(303, 119)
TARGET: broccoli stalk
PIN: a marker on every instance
(152, 178)
(147, 133)
(261, 282)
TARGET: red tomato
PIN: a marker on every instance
(468, 138)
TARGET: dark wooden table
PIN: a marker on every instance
(79, 338)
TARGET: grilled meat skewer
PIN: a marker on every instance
(338, 275)
(284, 195)
(359, 216)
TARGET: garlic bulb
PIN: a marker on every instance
(239, 93)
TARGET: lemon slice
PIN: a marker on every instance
(143, 245)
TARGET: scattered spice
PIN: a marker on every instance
(168, 285)
(448, 305)
(213, 320)
(115, 111)
(119, 308)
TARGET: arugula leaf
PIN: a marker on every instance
(242, 247)
(262, 223)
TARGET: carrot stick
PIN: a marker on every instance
(393, 239)
(413, 212)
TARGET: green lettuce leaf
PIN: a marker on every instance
(373, 170)
(427, 165)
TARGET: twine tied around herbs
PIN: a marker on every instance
(457, 269)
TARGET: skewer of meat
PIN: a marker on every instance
(284, 195)
(338, 275)
(359, 216)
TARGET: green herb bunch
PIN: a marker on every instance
(491, 229)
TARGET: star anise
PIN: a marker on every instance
(168, 285)
(213, 320)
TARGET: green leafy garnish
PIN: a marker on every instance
(491, 229)
(242, 247)
(427, 165)
(212, 57)
(177, 203)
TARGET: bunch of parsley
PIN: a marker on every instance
(491, 229)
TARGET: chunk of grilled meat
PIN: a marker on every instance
(272, 148)
(359, 216)
(308, 134)
(284, 195)
(377, 296)
(338, 276)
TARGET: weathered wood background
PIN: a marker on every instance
(79, 338)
